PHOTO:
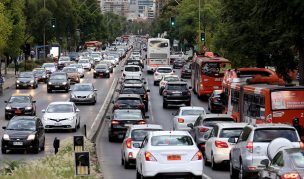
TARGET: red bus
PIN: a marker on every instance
(208, 73)
(94, 45)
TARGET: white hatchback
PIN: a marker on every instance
(172, 153)
(61, 115)
(133, 139)
(132, 70)
(165, 80)
(186, 115)
(86, 64)
(160, 72)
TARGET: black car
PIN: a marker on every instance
(121, 120)
(214, 102)
(186, 71)
(23, 133)
(110, 65)
(139, 89)
(26, 80)
(178, 63)
(101, 70)
(129, 101)
(176, 93)
(41, 74)
(58, 81)
(74, 56)
(133, 80)
(20, 104)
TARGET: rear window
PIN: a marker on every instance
(219, 119)
(230, 132)
(178, 87)
(171, 140)
(133, 90)
(140, 134)
(267, 135)
(133, 81)
(192, 112)
(131, 68)
(128, 115)
(129, 101)
(164, 70)
(298, 159)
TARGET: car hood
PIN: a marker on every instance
(58, 115)
(57, 81)
(18, 134)
(82, 93)
(18, 105)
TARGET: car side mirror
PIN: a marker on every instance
(34, 101)
(145, 82)
(3, 127)
(43, 110)
(70, 89)
(113, 101)
(232, 140)
(77, 110)
(265, 162)
(108, 117)
(190, 125)
(148, 90)
(5, 101)
(190, 87)
(121, 70)
(95, 89)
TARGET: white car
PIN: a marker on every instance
(113, 59)
(217, 147)
(171, 153)
(186, 115)
(61, 115)
(96, 56)
(133, 139)
(86, 64)
(164, 80)
(160, 72)
(80, 69)
(132, 70)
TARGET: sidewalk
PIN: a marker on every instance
(10, 78)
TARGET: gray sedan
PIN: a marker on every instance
(83, 93)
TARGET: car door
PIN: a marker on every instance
(141, 153)
(77, 113)
(209, 142)
(40, 130)
(176, 115)
(192, 131)
(237, 150)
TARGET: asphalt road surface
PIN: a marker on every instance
(111, 152)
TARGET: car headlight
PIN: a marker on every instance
(28, 108)
(6, 137)
(50, 83)
(31, 137)
(94, 71)
(32, 81)
(43, 76)
(64, 83)
(8, 108)
(73, 96)
(91, 95)
(45, 118)
(107, 71)
(71, 118)
(17, 81)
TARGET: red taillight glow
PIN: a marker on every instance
(141, 106)
(114, 122)
(220, 144)
(141, 122)
(180, 120)
(129, 143)
(249, 147)
(197, 156)
(149, 157)
(202, 129)
(165, 92)
(291, 175)
(116, 106)
(156, 73)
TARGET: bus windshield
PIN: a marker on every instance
(292, 99)
(215, 69)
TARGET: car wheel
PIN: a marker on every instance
(36, 149)
(67, 90)
(155, 83)
(214, 165)
(126, 164)
(49, 90)
(138, 176)
(206, 163)
(242, 173)
(94, 102)
(188, 103)
(160, 92)
(3, 151)
(90, 69)
(78, 125)
(94, 76)
(42, 147)
(233, 172)
(122, 161)
(165, 105)
(7, 117)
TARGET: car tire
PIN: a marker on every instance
(3, 151)
(126, 164)
(122, 161)
(138, 176)
(78, 125)
(42, 147)
(155, 83)
(241, 172)
(165, 105)
(160, 91)
(36, 149)
(94, 76)
(206, 162)
(90, 69)
(233, 172)
(188, 103)
(7, 117)
(214, 166)
(67, 90)
(94, 102)
(49, 91)
(197, 177)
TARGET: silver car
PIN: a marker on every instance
(251, 147)
(83, 93)
(79, 68)
(186, 115)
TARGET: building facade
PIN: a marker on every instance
(119, 7)
(159, 4)
(141, 9)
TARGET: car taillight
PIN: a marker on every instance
(149, 157)
(220, 144)
(114, 122)
(141, 106)
(156, 73)
(301, 145)
(249, 147)
(116, 106)
(141, 122)
(165, 92)
(129, 143)
(203, 129)
(215, 100)
(180, 120)
(197, 156)
(291, 175)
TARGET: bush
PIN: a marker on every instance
(30, 64)
(57, 166)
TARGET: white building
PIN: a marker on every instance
(120, 7)
(143, 9)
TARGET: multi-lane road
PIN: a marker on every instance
(111, 152)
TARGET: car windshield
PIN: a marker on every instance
(21, 124)
(60, 108)
(58, 77)
(171, 78)
(192, 112)
(133, 90)
(164, 70)
(128, 101)
(83, 61)
(297, 158)
(76, 66)
(70, 70)
(95, 55)
(178, 87)
(64, 59)
(26, 75)
(128, 114)
(39, 72)
(215, 69)
(218, 119)
(82, 88)
(101, 67)
(48, 65)
(230, 132)
(140, 134)
(269, 134)
(132, 69)
(171, 140)
(20, 99)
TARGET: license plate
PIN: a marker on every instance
(128, 125)
(120, 136)
(57, 86)
(58, 124)
(176, 94)
(18, 111)
(17, 143)
(173, 157)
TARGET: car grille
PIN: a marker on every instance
(57, 120)
(81, 97)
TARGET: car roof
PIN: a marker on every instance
(164, 67)
(59, 73)
(131, 66)
(80, 84)
(127, 110)
(133, 85)
(146, 126)
(191, 107)
(176, 82)
(62, 102)
(24, 117)
(271, 125)
(231, 125)
(19, 94)
(158, 133)
(217, 115)
(129, 96)
(165, 76)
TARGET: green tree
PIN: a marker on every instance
(5, 28)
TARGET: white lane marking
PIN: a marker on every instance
(206, 176)
(103, 105)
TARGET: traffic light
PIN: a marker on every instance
(82, 162)
(203, 36)
(173, 22)
(53, 22)
(78, 143)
